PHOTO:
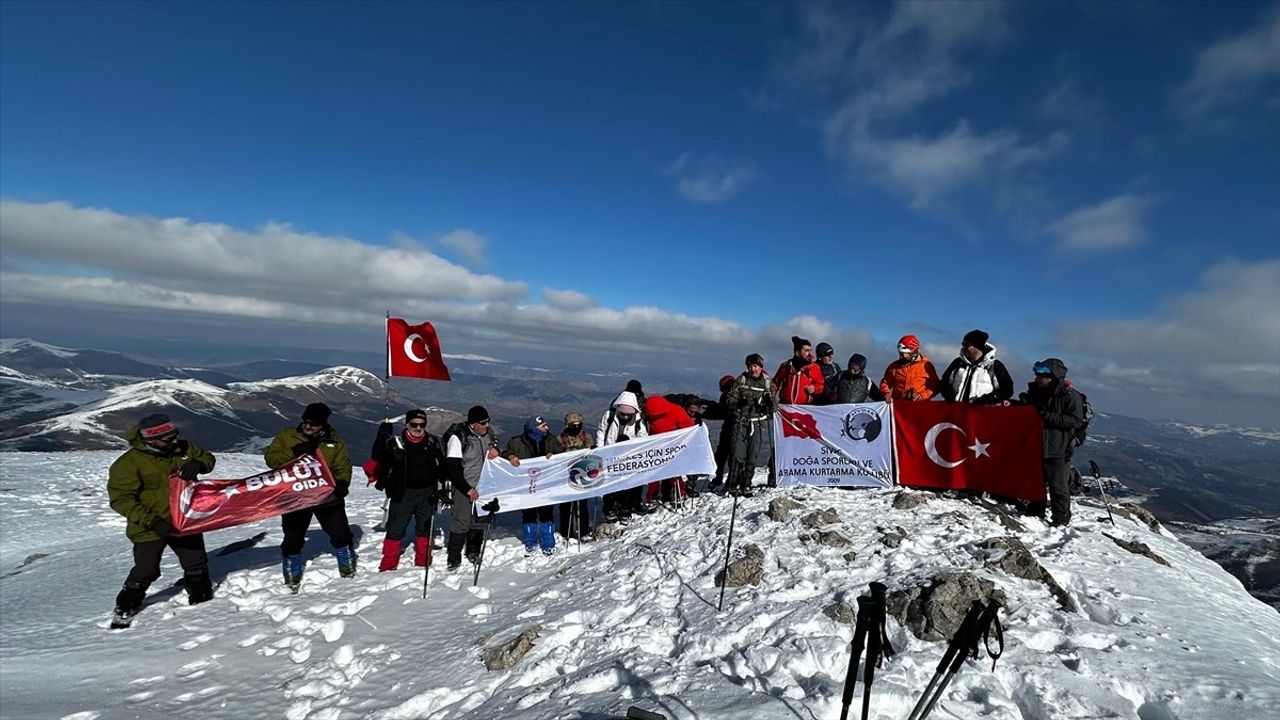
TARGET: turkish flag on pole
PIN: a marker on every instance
(414, 351)
(955, 446)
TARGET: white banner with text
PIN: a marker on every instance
(836, 445)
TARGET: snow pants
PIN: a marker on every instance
(1057, 475)
(333, 520)
(752, 448)
(146, 558)
(417, 505)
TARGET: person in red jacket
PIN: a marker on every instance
(665, 416)
(798, 380)
(911, 376)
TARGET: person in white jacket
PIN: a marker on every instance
(622, 421)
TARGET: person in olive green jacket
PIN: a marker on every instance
(310, 436)
(138, 489)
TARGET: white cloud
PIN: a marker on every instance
(1222, 339)
(887, 71)
(273, 262)
(56, 254)
(1113, 224)
(710, 179)
(467, 245)
(1234, 69)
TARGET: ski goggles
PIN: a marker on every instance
(1042, 370)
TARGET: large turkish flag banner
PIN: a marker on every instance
(954, 446)
(204, 505)
(414, 351)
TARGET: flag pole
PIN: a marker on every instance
(386, 382)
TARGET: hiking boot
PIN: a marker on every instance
(390, 555)
(129, 601)
(346, 561)
(292, 567)
(199, 585)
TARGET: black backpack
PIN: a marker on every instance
(1082, 433)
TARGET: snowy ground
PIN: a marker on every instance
(623, 622)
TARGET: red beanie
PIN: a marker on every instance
(909, 342)
(726, 382)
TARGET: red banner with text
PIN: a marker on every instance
(206, 505)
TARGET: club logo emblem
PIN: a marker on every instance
(862, 424)
(587, 472)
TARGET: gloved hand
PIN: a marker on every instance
(341, 490)
(190, 469)
(163, 528)
(180, 447)
(306, 447)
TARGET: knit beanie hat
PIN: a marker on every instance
(726, 382)
(824, 350)
(156, 426)
(909, 343)
(798, 342)
(415, 414)
(633, 386)
(976, 338)
(477, 414)
(573, 417)
(317, 413)
(858, 359)
(755, 359)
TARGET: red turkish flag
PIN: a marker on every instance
(205, 505)
(414, 351)
(980, 448)
(798, 424)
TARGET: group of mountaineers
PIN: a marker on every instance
(419, 472)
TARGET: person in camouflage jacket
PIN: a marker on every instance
(315, 435)
(138, 489)
(753, 407)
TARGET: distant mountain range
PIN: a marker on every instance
(55, 398)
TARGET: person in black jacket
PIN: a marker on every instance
(1062, 410)
(830, 370)
(536, 523)
(413, 477)
(976, 376)
(853, 386)
(724, 445)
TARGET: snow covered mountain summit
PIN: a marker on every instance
(1102, 621)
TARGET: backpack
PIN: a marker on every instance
(1080, 434)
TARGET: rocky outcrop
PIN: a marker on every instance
(780, 508)
(934, 612)
(506, 655)
(1013, 558)
(746, 570)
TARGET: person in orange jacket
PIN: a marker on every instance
(798, 380)
(911, 376)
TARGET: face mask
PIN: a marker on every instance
(573, 429)
(626, 419)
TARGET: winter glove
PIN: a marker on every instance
(341, 490)
(163, 528)
(190, 469)
(306, 447)
(180, 447)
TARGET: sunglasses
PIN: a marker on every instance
(164, 439)
(482, 422)
(417, 425)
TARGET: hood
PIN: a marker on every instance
(988, 354)
(626, 397)
(1058, 367)
(134, 438)
(658, 408)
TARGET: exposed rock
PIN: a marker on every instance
(850, 556)
(780, 508)
(936, 611)
(1138, 548)
(33, 557)
(905, 500)
(1142, 514)
(746, 570)
(841, 612)
(820, 518)
(506, 655)
(831, 538)
(1015, 559)
(892, 538)
(609, 531)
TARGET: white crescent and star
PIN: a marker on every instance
(192, 513)
(408, 348)
(978, 447)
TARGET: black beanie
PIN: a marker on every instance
(798, 342)
(755, 359)
(824, 350)
(976, 338)
(317, 413)
(633, 386)
(477, 414)
(415, 414)
(858, 359)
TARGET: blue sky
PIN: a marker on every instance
(1097, 181)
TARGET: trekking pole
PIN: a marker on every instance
(968, 648)
(492, 507)
(855, 654)
(431, 530)
(1097, 477)
(878, 647)
(953, 648)
(724, 577)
